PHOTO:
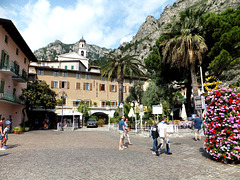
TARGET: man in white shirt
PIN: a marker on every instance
(162, 130)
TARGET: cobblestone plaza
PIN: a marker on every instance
(94, 154)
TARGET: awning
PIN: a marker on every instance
(67, 113)
(76, 100)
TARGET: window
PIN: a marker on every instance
(87, 86)
(113, 103)
(101, 87)
(87, 76)
(76, 103)
(72, 67)
(51, 66)
(55, 73)
(88, 102)
(64, 99)
(64, 74)
(4, 60)
(78, 75)
(55, 84)
(65, 67)
(64, 84)
(44, 64)
(40, 72)
(131, 81)
(82, 53)
(103, 78)
(113, 88)
(124, 89)
(17, 51)
(25, 60)
(6, 39)
(103, 103)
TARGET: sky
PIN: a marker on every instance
(106, 23)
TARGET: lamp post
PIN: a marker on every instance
(136, 105)
(108, 109)
(63, 96)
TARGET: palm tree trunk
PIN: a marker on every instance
(120, 92)
(188, 98)
(194, 84)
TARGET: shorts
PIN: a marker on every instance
(121, 134)
(162, 140)
(197, 131)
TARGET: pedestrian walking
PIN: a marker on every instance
(127, 130)
(121, 131)
(162, 130)
(1, 133)
(155, 135)
(5, 132)
(197, 123)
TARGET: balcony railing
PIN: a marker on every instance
(10, 98)
(9, 70)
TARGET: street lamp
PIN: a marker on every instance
(63, 96)
(108, 109)
(136, 105)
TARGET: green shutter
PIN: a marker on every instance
(2, 86)
(2, 59)
(7, 61)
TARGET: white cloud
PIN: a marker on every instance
(105, 23)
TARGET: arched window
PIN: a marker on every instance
(82, 53)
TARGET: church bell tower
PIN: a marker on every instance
(82, 49)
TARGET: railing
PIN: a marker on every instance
(10, 97)
(10, 68)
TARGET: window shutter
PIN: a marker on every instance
(99, 87)
(77, 85)
(2, 56)
(90, 103)
(125, 89)
(110, 88)
(60, 84)
(7, 63)
(52, 84)
(115, 88)
(84, 85)
(90, 86)
(68, 84)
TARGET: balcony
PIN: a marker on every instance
(20, 78)
(8, 70)
(9, 98)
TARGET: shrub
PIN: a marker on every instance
(222, 125)
(100, 122)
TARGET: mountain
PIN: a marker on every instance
(151, 29)
(51, 51)
(147, 34)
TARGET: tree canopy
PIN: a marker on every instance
(38, 94)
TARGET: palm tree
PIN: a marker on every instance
(183, 47)
(118, 66)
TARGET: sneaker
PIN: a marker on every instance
(121, 149)
(2, 149)
(125, 147)
(153, 152)
(169, 153)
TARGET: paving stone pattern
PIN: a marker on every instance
(94, 154)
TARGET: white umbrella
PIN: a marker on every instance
(131, 113)
(183, 112)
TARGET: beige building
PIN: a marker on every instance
(15, 58)
(71, 74)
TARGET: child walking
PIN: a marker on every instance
(5, 132)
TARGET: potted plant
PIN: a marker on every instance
(17, 130)
(95, 104)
